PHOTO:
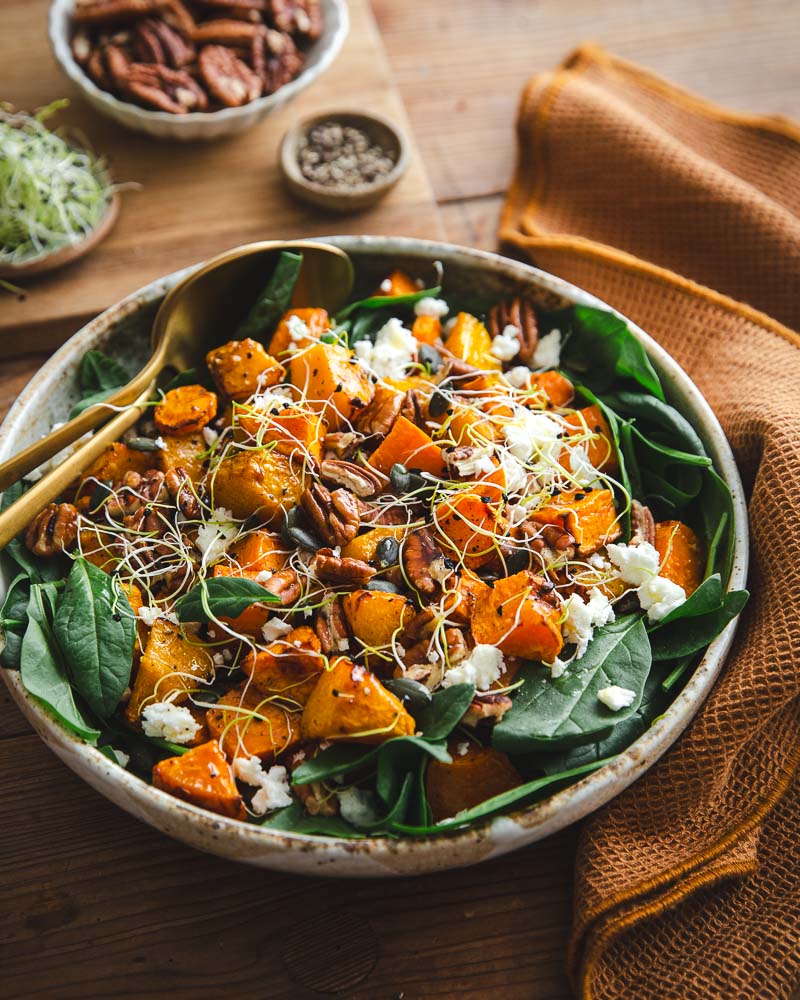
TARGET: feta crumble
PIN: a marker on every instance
(214, 537)
(462, 749)
(166, 721)
(533, 437)
(482, 667)
(263, 575)
(583, 617)
(273, 785)
(479, 462)
(659, 596)
(583, 472)
(616, 698)
(428, 306)
(274, 629)
(357, 806)
(519, 377)
(516, 476)
(148, 615)
(548, 351)
(210, 436)
(298, 330)
(638, 565)
(505, 345)
(395, 348)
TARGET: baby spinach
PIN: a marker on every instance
(392, 301)
(294, 819)
(346, 757)
(96, 630)
(438, 719)
(221, 596)
(14, 620)
(658, 415)
(98, 376)
(565, 711)
(274, 300)
(685, 636)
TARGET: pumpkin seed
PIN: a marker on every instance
(430, 357)
(100, 495)
(439, 404)
(304, 539)
(294, 531)
(415, 696)
(387, 552)
(143, 444)
(383, 585)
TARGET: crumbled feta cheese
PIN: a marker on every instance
(636, 563)
(482, 667)
(358, 806)
(432, 656)
(395, 348)
(505, 345)
(429, 306)
(170, 722)
(149, 614)
(598, 561)
(548, 350)
(659, 596)
(263, 575)
(298, 330)
(516, 513)
(583, 472)
(516, 476)
(214, 537)
(557, 667)
(342, 646)
(274, 629)
(160, 443)
(210, 436)
(357, 674)
(519, 377)
(219, 660)
(616, 698)
(386, 286)
(534, 436)
(462, 749)
(583, 617)
(477, 463)
(274, 398)
(273, 785)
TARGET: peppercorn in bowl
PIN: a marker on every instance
(425, 581)
(194, 70)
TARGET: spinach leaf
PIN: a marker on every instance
(689, 635)
(365, 326)
(392, 301)
(274, 300)
(41, 670)
(715, 504)
(343, 758)
(294, 819)
(708, 597)
(680, 667)
(603, 350)
(96, 630)
(98, 376)
(566, 711)
(438, 719)
(660, 416)
(221, 596)
(14, 620)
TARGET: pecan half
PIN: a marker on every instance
(335, 516)
(643, 525)
(297, 17)
(456, 645)
(284, 585)
(424, 561)
(164, 88)
(230, 80)
(118, 66)
(177, 16)
(275, 59)
(162, 40)
(330, 626)
(342, 444)
(96, 68)
(549, 541)
(327, 566)
(240, 4)
(519, 312)
(227, 31)
(413, 407)
(487, 706)
(180, 487)
(100, 11)
(53, 530)
(379, 416)
(358, 479)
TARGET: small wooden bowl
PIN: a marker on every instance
(382, 131)
(58, 258)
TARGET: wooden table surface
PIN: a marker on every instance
(95, 904)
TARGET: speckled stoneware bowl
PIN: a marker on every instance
(124, 330)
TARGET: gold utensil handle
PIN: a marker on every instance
(19, 514)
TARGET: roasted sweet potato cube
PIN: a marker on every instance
(588, 515)
(118, 459)
(242, 367)
(331, 382)
(397, 283)
(473, 776)
(289, 667)
(297, 431)
(185, 410)
(427, 329)
(184, 453)
(203, 777)
(515, 617)
(375, 617)
(681, 554)
(592, 431)
(469, 340)
(364, 547)
(291, 333)
(349, 703)
(556, 389)
(253, 725)
(467, 590)
(168, 664)
(410, 446)
(261, 483)
(467, 525)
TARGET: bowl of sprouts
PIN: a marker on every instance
(383, 592)
(57, 201)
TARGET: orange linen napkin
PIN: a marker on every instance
(687, 218)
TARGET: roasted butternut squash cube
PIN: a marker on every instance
(184, 453)
(515, 617)
(288, 668)
(681, 554)
(375, 617)
(427, 329)
(261, 483)
(595, 435)
(409, 445)
(99, 547)
(469, 340)
(556, 389)
(467, 425)
(470, 778)
(291, 333)
(169, 662)
(258, 552)
(118, 459)
(248, 724)
(185, 410)
(349, 703)
(467, 591)
(588, 515)
(364, 547)
(397, 283)
(297, 431)
(468, 526)
(332, 382)
(242, 367)
(203, 777)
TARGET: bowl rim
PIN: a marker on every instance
(59, 42)
(499, 834)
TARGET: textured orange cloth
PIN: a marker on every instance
(687, 218)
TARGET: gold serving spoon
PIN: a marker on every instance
(199, 313)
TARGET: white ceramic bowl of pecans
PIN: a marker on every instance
(239, 65)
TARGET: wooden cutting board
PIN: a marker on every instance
(192, 200)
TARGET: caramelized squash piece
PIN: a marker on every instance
(588, 515)
(364, 547)
(410, 446)
(557, 389)
(465, 526)
(259, 552)
(468, 590)
(469, 340)
(297, 431)
(515, 617)
(203, 777)
(599, 447)
(289, 667)
(116, 460)
(252, 726)
(184, 453)
(397, 283)
(349, 703)
(169, 663)
(185, 410)
(241, 367)
(427, 329)
(260, 483)
(316, 322)
(470, 779)
(681, 554)
(332, 383)
(375, 616)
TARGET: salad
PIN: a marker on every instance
(383, 573)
